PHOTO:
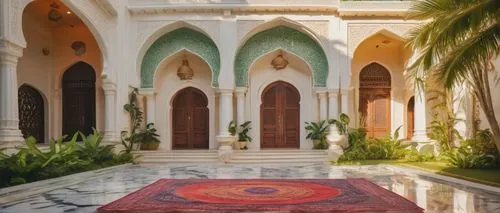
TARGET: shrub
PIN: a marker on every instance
(317, 131)
(478, 152)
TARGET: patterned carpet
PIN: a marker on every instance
(292, 195)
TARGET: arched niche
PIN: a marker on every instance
(286, 38)
(173, 42)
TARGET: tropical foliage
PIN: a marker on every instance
(317, 132)
(342, 123)
(63, 157)
(457, 43)
(442, 127)
(386, 148)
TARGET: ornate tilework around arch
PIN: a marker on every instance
(286, 38)
(174, 41)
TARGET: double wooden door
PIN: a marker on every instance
(79, 99)
(280, 116)
(375, 109)
(190, 120)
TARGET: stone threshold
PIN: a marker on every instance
(442, 178)
(22, 191)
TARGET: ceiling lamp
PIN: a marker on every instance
(54, 13)
(185, 72)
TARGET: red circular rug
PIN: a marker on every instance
(257, 192)
(289, 195)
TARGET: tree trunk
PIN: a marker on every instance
(483, 94)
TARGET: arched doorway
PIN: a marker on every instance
(280, 116)
(31, 113)
(410, 115)
(375, 100)
(190, 119)
(79, 101)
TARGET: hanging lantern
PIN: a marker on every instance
(279, 62)
(185, 72)
(54, 13)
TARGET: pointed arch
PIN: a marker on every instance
(170, 43)
(382, 31)
(286, 38)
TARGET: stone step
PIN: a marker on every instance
(236, 156)
(163, 161)
(273, 161)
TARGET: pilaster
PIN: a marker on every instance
(150, 95)
(110, 134)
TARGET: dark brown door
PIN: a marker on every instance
(280, 116)
(31, 113)
(410, 117)
(190, 119)
(79, 99)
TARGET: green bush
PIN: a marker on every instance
(63, 157)
(317, 131)
(478, 152)
(386, 148)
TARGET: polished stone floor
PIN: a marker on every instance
(432, 194)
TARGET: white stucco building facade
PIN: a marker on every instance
(276, 63)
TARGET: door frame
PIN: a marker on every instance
(267, 88)
(164, 122)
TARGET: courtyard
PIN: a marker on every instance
(436, 195)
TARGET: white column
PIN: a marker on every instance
(323, 108)
(344, 93)
(225, 111)
(333, 104)
(109, 111)
(420, 127)
(224, 138)
(10, 135)
(150, 104)
(240, 104)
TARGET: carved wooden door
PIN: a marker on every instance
(190, 120)
(375, 100)
(410, 117)
(31, 113)
(280, 116)
(79, 99)
(375, 112)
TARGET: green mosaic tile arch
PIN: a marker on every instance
(174, 41)
(285, 38)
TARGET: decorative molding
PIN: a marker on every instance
(281, 37)
(107, 7)
(173, 42)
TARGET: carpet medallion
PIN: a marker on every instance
(293, 195)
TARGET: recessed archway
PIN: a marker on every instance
(31, 113)
(174, 41)
(286, 38)
(79, 99)
(375, 100)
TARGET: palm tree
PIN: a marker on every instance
(457, 44)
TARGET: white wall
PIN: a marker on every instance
(495, 88)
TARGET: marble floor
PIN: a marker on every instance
(432, 194)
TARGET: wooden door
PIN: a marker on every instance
(79, 99)
(31, 113)
(190, 125)
(410, 117)
(280, 116)
(375, 100)
(375, 111)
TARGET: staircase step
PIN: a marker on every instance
(266, 161)
(279, 157)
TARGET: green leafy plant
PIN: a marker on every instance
(243, 132)
(148, 137)
(92, 150)
(443, 121)
(136, 117)
(478, 152)
(342, 123)
(317, 132)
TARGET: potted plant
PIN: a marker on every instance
(317, 131)
(148, 138)
(242, 131)
(243, 137)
